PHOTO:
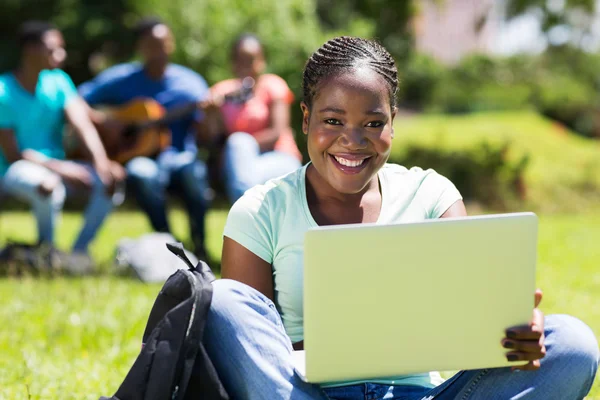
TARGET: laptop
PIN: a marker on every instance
(437, 295)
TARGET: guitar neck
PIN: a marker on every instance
(170, 116)
(186, 109)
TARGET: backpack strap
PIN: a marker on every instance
(178, 250)
(202, 268)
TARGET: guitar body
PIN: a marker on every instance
(147, 142)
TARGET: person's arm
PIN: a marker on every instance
(8, 145)
(279, 115)
(73, 173)
(240, 264)
(76, 112)
(211, 127)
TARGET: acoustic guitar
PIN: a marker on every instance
(146, 122)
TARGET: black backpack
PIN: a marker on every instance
(173, 363)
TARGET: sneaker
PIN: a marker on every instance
(79, 263)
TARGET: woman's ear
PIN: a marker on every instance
(305, 117)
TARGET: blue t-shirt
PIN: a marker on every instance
(123, 83)
(37, 120)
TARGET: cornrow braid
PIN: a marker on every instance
(344, 53)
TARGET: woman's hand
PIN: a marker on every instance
(526, 343)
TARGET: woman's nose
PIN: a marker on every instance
(354, 139)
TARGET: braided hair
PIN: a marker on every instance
(344, 53)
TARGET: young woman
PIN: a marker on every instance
(260, 143)
(255, 319)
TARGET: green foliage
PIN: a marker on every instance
(389, 21)
(561, 84)
(574, 18)
(482, 173)
(88, 26)
(562, 170)
(420, 76)
(206, 30)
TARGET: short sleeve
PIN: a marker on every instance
(249, 224)
(103, 89)
(66, 86)
(278, 89)
(6, 120)
(438, 193)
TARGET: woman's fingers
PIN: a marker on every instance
(525, 356)
(530, 366)
(525, 332)
(538, 297)
(529, 346)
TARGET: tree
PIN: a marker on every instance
(562, 21)
(87, 25)
(387, 20)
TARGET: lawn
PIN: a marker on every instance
(76, 338)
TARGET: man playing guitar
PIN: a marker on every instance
(175, 88)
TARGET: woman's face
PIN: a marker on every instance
(249, 59)
(349, 128)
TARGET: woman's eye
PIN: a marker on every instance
(333, 121)
(375, 124)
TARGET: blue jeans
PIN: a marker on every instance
(181, 171)
(244, 166)
(22, 180)
(246, 340)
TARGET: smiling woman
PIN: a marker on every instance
(256, 316)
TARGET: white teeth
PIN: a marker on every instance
(349, 163)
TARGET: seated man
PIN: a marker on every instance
(34, 100)
(172, 86)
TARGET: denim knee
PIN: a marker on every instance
(56, 198)
(142, 168)
(144, 174)
(573, 347)
(240, 140)
(194, 181)
(232, 301)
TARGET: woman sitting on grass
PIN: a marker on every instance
(260, 143)
(256, 320)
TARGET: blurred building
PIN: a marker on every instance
(450, 29)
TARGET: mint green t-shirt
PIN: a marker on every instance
(37, 120)
(271, 220)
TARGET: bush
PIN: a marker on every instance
(419, 78)
(520, 158)
(562, 84)
(482, 173)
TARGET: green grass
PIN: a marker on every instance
(564, 169)
(120, 224)
(76, 338)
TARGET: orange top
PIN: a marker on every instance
(254, 115)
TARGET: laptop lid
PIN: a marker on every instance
(388, 300)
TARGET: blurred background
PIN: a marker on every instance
(501, 96)
(534, 60)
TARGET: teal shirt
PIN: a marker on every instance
(37, 120)
(271, 220)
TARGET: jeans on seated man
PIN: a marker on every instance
(172, 86)
(34, 100)
(182, 172)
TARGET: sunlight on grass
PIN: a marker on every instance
(77, 338)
